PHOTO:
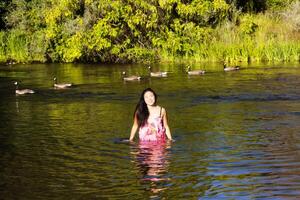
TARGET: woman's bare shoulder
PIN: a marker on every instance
(163, 110)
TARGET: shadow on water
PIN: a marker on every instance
(237, 134)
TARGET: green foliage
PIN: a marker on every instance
(138, 54)
(247, 25)
(2, 46)
(203, 12)
(278, 4)
(16, 46)
(183, 39)
(147, 31)
(37, 46)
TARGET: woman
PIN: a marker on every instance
(151, 119)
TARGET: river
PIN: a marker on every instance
(237, 133)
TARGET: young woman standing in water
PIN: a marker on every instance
(151, 119)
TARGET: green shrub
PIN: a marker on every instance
(2, 46)
(17, 46)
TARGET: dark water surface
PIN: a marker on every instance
(237, 134)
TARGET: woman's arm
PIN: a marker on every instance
(134, 128)
(165, 121)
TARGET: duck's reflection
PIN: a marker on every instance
(152, 160)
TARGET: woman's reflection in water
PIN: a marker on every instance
(152, 159)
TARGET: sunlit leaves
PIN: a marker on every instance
(72, 49)
(129, 30)
(247, 25)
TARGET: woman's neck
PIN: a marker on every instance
(153, 111)
(151, 107)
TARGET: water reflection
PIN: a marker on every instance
(17, 105)
(152, 160)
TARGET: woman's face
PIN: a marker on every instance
(149, 98)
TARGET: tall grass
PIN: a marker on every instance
(2, 47)
(263, 37)
(16, 46)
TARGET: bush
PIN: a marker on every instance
(17, 46)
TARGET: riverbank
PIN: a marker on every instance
(141, 34)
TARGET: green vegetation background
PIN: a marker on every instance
(124, 31)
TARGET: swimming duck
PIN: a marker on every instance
(130, 78)
(23, 91)
(11, 63)
(227, 69)
(61, 85)
(157, 74)
(195, 72)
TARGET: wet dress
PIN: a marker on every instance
(153, 130)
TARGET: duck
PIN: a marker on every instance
(23, 91)
(157, 74)
(11, 63)
(195, 72)
(227, 69)
(130, 78)
(61, 85)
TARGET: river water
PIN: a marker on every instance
(237, 133)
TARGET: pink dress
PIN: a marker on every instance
(153, 130)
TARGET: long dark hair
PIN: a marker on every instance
(141, 110)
